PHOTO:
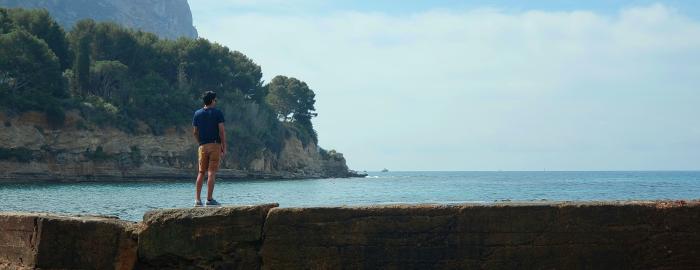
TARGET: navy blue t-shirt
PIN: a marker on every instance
(207, 122)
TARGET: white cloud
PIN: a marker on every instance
(488, 89)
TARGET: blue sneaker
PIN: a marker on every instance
(197, 203)
(213, 202)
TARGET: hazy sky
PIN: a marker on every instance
(490, 85)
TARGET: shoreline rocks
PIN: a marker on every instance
(30, 150)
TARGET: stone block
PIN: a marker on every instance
(203, 238)
(29, 240)
(393, 237)
(593, 235)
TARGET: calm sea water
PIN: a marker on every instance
(130, 200)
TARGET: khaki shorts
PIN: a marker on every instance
(209, 157)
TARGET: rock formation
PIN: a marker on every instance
(30, 149)
(166, 18)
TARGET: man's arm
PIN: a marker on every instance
(222, 135)
(195, 132)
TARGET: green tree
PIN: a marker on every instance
(291, 99)
(5, 23)
(247, 76)
(39, 23)
(30, 74)
(81, 68)
(80, 40)
(108, 79)
(112, 42)
(28, 65)
(163, 106)
(215, 67)
(279, 97)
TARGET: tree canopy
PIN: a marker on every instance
(30, 74)
(291, 99)
(119, 77)
(40, 24)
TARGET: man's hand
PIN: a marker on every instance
(223, 150)
(195, 132)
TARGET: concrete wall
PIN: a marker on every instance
(606, 235)
(213, 238)
(29, 241)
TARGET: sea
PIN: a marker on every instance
(130, 200)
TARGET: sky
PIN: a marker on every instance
(486, 85)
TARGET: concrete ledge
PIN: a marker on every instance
(510, 235)
(34, 240)
(607, 235)
(208, 238)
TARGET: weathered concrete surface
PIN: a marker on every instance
(605, 235)
(31, 240)
(642, 235)
(203, 238)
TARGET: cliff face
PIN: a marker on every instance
(30, 149)
(167, 18)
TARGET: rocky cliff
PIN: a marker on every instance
(591, 235)
(30, 149)
(167, 18)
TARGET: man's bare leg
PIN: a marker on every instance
(200, 181)
(211, 179)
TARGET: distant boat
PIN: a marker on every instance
(385, 170)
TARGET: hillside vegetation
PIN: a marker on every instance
(116, 77)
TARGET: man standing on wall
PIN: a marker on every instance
(208, 123)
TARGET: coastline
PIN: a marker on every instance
(164, 175)
(31, 149)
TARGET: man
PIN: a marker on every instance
(208, 123)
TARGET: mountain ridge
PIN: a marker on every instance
(169, 19)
